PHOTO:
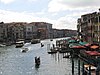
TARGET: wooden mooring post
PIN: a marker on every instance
(89, 69)
(72, 65)
(98, 69)
(83, 68)
(98, 66)
(78, 66)
(48, 47)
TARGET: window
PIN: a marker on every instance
(96, 20)
(99, 18)
(28, 28)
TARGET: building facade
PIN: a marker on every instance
(30, 31)
(22, 30)
(12, 32)
(88, 27)
(59, 33)
(3, 32)
(44, 30)
(18, 30)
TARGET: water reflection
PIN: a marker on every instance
(14, 62)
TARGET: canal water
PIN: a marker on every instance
(14, 62)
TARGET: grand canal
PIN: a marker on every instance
(14, 62)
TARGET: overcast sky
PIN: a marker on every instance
(63, 14)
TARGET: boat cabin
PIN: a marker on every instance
(19, 44)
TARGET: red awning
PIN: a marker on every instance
(93, 53)
(87, 44)
(78, 47)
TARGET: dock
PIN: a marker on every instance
(87, 54)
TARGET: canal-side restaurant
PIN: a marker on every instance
(86, 53)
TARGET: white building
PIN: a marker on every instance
(30, 31)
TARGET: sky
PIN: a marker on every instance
(63, 14)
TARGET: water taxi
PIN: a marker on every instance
(24, 50)
(19, 44)
(34, 41)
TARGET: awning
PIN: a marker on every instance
(84, 43)
(71, 41)
(92, 53)
(94, 47)
(76, 45)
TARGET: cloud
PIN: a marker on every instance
(7, 1)
(62, 5)
(61, 23)
(10, 1)
(10, 16)
(32, 0)
(66, 22)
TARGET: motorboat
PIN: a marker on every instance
(52, 51)
(51, 39)
(24, 50)
(19, 44)
(1, 45)
(35, 41)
